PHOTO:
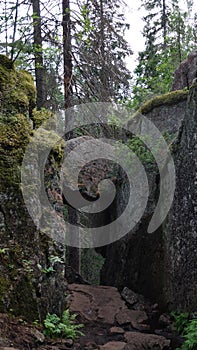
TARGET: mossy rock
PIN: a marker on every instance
(170, 98)
(19, 283)
(40, 117)
(17, 89)
(6, 62)
(15, 133)
(46, 140)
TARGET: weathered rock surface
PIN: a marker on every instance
(186, 72)
(165, 111)
(162, 265)
(25, 286)
(97, 334)
(96, 303)
(139, 341)
(112, 345)
(135, 318)
(180, 272)
(134, 300)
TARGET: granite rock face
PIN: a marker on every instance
(26, 286)
(180, 231)
(186, 72)
(162, 265)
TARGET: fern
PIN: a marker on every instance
(64, 327)
(188, 328)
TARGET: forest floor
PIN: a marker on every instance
(110, 323)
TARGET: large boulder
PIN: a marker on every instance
(179, 231)
(27, 287)
(186, 72)
(162, 265)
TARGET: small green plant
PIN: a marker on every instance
(180, 320)
(187, 328)
(3, 250)
(64, 327)
(48, 269)
(36, 323)
(28, 265)
(190, 335)
(56, 259)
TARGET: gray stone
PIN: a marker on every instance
(180, 227)
(38, 335)
(113, 345)
(116, 330)
(135, 318)
(139, 341)
(186, 72)
(129, 296)
(162, 265)
(164, 320)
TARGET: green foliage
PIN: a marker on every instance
(91, 265)
(100, 69)
(190, 335)
(180, 320)
(186, 327)
(64, 327)
(3, 250)
(28, 265)
(48, 269)
(39, 117)
(53, 260)
(87, 27)
(137, 145)
(169, 37)
(56, 259)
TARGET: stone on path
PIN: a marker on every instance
(139, 341)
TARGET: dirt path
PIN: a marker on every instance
(110, 323)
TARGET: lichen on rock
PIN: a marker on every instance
(25, 251)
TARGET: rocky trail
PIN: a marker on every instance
(111, 322)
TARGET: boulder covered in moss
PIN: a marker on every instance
(165, 111)
(31, 280)
(17, 90)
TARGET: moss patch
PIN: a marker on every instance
(15, 133)
(167, 99)
(6, 62)
(17, 90)
(39, 117)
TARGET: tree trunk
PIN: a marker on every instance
(74, 253)
(38, 54)
(67, 53)
(164, 23)
(104, 78)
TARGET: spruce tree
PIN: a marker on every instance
(100, 68)
(169, 38)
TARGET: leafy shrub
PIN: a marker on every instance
(190, 335)
(180, 320)
(64, 327)
(188, 328)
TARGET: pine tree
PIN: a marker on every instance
(168, 41)
(100, 69)
(40, 73)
